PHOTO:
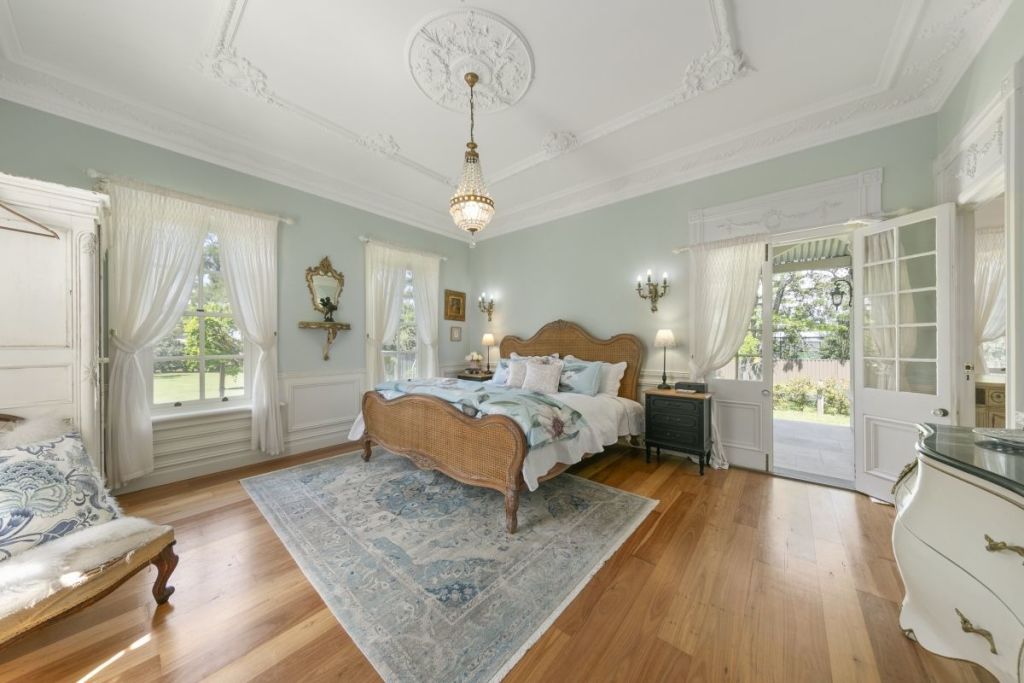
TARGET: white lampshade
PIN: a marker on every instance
(664, 339)
(488, 339)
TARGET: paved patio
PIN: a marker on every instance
(819, 450)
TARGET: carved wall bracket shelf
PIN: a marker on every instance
(332, 331)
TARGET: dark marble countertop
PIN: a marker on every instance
(959, 447)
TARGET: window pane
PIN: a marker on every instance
(193, 298)
(222, 337)
(173, 382)
(917, 342)
(880, 342)
(225, 378)
(918, 272)
(878, 279)
(917, 238)
(878, 310)
(211, 253)
(994, 356)
(880, 374)
(176, 343)
(215, 295)
(918, 307)
(878, 247)
(917, 377)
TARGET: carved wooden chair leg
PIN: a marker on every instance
(367, 450)
(165, 563)
(512, 510)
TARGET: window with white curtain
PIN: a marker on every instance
(400, 353)
(202, 360)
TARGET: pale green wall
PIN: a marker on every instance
(38, 145)
(583, 268)
(981, 82)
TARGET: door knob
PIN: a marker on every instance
(766, 392)
(940, 412)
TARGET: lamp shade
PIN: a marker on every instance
(664, 339)
(488, 339)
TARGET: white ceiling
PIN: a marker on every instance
(626, 97)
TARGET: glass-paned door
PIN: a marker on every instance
(902, 340)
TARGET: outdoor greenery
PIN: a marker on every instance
(801, 395)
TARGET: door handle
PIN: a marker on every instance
(766, 392)
(940, 412)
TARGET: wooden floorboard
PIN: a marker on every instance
(736, 576)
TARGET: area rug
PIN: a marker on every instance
(419, 570)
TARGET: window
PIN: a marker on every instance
(995, 356)
(202, 359)
(400, 354)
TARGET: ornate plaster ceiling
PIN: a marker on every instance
(582, 103)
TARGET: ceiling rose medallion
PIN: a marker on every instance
(445, 47)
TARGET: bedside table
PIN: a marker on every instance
(680, 422)
(475, 376)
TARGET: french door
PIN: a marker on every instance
(902, 340)
(743, 392)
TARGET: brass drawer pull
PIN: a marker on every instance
(994, 546)
(968, 627)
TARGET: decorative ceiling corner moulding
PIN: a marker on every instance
(224, 63)
(446, 46)
(718, 66)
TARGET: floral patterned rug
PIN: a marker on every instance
(419, 570)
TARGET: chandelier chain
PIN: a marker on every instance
(472, 119)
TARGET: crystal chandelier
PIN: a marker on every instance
(471, 206)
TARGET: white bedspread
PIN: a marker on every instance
(607, 418)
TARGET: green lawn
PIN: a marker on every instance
(811, 416)
(172, 387)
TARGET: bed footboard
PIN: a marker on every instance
(488, 451)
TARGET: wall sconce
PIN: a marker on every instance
(837, 292)
(653, 293)
(485, 305)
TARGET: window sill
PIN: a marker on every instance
(169, 415)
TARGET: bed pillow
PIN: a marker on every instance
(49, 489)
(537, 359)
(516, 372)
(581, 377)
(542, 377)
(611, 377)
(500, 372)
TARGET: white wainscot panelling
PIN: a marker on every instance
(43, 318)
(40, 385)
(741, 421)
(889, 444)
(319, 409)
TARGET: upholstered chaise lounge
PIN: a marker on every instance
(65, 574)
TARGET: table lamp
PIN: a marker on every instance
(488, 341)
(664, 340)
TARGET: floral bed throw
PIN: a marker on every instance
(49, 489)
(543, 419)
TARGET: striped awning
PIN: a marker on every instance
(825, 252)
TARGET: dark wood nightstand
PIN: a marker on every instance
(475, 376)
(680, 422)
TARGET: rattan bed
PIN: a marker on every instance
(488, 451)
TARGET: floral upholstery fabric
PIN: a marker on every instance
(49, 489)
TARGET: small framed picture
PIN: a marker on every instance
(454, 305)
(455, 334)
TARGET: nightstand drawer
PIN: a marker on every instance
(675, 420)
(663, 404)
(675, 437)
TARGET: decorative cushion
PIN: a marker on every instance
(49, 489)
(500, 372)
(611, 377)
(543, 377)
(536, 359)
(516, 372)
(581, 377)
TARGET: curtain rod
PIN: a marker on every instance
(157, 189)
(849, 225)
(364, 238)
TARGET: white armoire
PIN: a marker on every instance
(50, 331)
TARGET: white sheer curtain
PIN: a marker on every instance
(723, 282)
(156, 243)
(989, 290)
(385, 279)
(426, 279)
(248, 256)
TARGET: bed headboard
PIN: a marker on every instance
(565, 338)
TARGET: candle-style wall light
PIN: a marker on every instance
(654, 291)
(486, 305)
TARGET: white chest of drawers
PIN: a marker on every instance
(958, 539)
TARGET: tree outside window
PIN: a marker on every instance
(400, 354)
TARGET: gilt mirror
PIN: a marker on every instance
(325, 285)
